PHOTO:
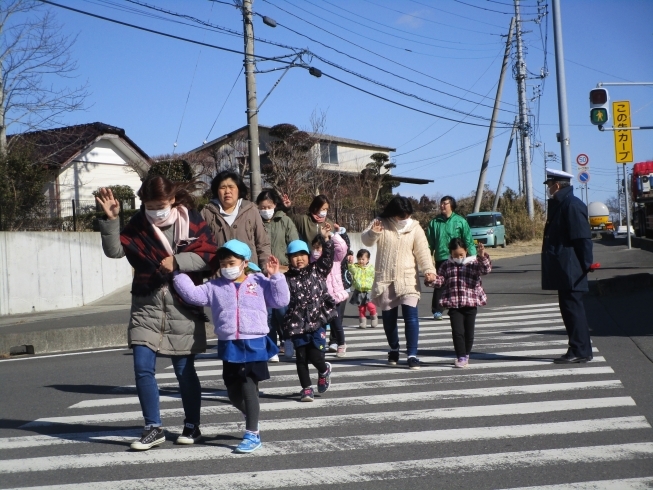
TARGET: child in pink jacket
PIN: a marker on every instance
(336, 289)
(239, 300)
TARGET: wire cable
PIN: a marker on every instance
(223, 104)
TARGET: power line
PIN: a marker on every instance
(456, 15)
(223, 104)
(153, 31)
(484, 8)
(374, 53)
(432, 21)
(377, 30)
(399, 103)
(401, 30)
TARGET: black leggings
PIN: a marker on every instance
(305, 354)
(337, 333)
(462, 329)
(437, 293)
(244, 396)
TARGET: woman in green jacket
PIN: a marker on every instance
(282, 231)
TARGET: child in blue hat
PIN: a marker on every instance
(311, 308)
(239, 300)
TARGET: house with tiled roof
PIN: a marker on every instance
(334, 153)
(85, 157)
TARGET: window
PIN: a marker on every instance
(328, 153)
(480, 221)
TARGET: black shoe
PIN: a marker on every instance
(569, 358)
(393, 357)
(413, 363)
(152, 436)
(190, 435)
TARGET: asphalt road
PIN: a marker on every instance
(511, 420)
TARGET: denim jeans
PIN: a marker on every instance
(275, 323)
(148, 390)
(411, 326)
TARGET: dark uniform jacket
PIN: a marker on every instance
(567, 247)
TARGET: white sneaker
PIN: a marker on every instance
(333, 348)
(274, 358)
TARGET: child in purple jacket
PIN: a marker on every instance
(239, 300)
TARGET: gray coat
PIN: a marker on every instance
(158, 320)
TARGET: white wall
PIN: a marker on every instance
(100, 165)
(42, 271)
(356, 245)
(351, 158)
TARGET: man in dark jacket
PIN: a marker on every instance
(566, 260)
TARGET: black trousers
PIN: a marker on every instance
(244, 396)
(305, 354)
(572, 310)
(336, 332)
(437, 293)
(462, 329)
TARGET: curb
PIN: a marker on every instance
(69, 339)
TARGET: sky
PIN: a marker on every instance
(447, 53)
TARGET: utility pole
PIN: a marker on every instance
(565, 151)
(495, 114)
(619, 194)
(627, 198)
(520, 180)
(252, 107)
(524, 125)
(505, 165)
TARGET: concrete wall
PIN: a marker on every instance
(43, 271)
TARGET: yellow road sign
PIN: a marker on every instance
(623, 140)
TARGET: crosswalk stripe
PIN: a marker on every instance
(344, 402)
(519, 307)
(350, 420)
(383, 352)
(393, 470)
(367, 385)
(326, 444)
(625, 484)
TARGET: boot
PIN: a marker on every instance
(375, 321)
(362, 322)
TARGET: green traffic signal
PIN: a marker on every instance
(599, 116)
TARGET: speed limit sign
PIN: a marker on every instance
(582, 160)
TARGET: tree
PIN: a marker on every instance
(376, 175)
(33, 53)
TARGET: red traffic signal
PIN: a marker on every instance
(598, 96)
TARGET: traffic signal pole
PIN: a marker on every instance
(565, 151)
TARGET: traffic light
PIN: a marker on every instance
(599, 111)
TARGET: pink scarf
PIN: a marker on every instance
(179, 218)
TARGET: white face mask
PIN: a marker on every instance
(458, 260)
(231, 273)
(403, 223)
(322, 214)
(158, 214)
(266, 214)
(316, 254)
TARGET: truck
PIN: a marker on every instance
(642, 192)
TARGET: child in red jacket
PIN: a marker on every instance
(463, 294)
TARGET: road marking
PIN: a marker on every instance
(322, 445)
(396, 470)
(365, 385)
(63, 355)
(323, 403)
(625, 484)
(515, 307)
(549, 353)
(350, 420)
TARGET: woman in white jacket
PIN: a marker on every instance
(401, 248)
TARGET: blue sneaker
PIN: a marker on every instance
(251, 442)
(437, 315)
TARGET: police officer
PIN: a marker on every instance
(566, 260)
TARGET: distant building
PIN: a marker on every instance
(331, 152)
(85, 157)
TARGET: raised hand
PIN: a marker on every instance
(168, 265)
(286, 200)
(377, 226)
(350, 258)
(326, 229)
(336, 227)
(480, 250)
(110, 205)
(272, 265)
